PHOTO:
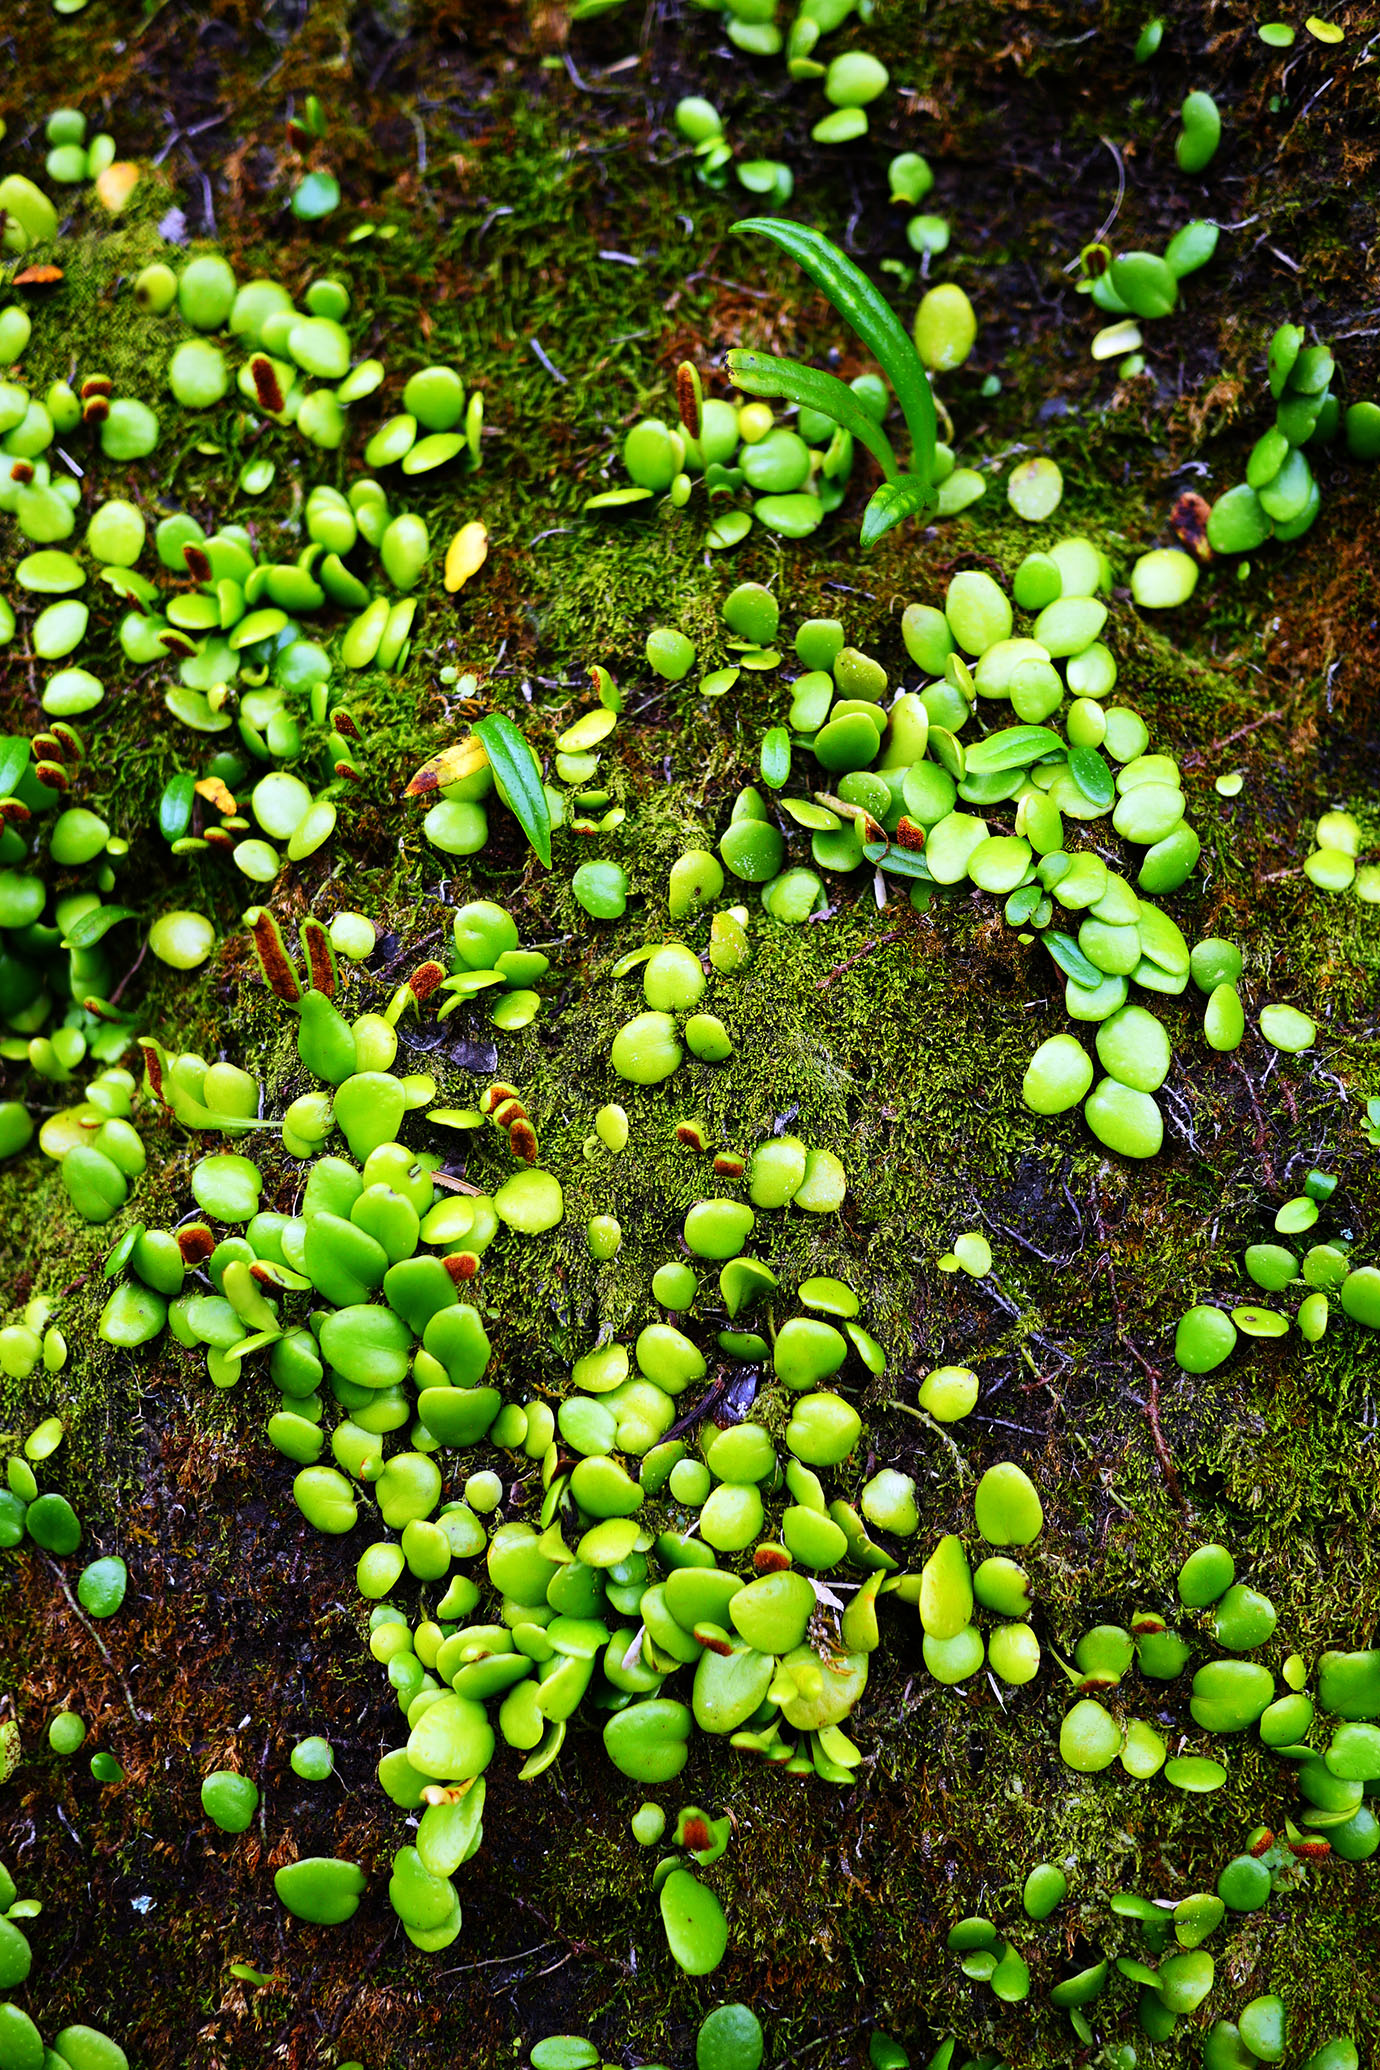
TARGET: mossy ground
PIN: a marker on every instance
(896, 1039)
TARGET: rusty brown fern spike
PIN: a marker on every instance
(196, 1242)
(316, 947)
(267, 386)
(280, 972)
(690, 399)
(153, 1071)
(522, 1140)
(425, 979)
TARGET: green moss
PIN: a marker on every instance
(902, 1055)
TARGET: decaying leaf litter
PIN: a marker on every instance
(894, 1126)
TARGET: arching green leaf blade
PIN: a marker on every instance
(518, 774)
(874, 320)
(762, 373)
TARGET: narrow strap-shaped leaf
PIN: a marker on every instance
(14, 760)
(1071, 960)
(1014, 747)
(90, 927)
(874, 320)
(516, 769)
(892, 502)
(208, 1120)
(898, 862)
(762, 373)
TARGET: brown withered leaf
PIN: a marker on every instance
(1189, 522)
(450, 766)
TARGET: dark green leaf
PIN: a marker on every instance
(874, 320)
(90, 927)
(1071, 960)
(14, 760)
(1014, 747)
(1092, 776)
(1022, 904)
(175, 806)
(898, 862)
(776, 757)
(518, 776)
(891, 503)
(762, 373)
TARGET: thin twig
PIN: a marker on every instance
(1200, 755)
(369, 1964)
(866, 950)
(1023, 1241)
(1152, 1411)
(1120, 190)
(97, 1641)
(548, 363)
(498, 1961)
(576, 1947)
(131, 972)
(834, 2034)
(921, 1416)
(1262, 1136)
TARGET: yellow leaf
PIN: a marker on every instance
(587, 731)
(115, 185)
(452, 765)
(215, 793)
(466, 554)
